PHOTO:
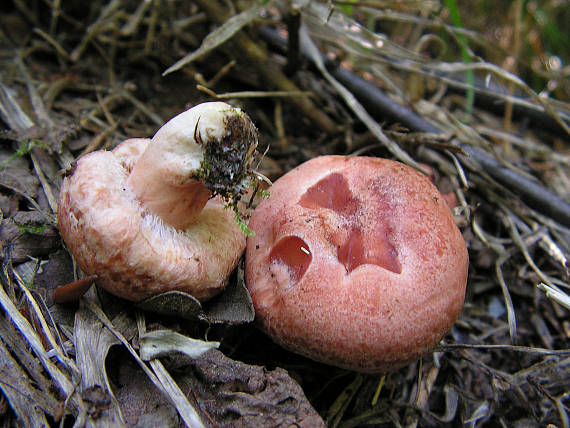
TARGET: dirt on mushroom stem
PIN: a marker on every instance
(202, 153)
(227, 166)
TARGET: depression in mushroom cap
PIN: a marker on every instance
(356, 262)
(145, 217)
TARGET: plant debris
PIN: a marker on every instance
(485, 113)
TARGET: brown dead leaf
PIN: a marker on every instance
(15, 174)
(235, 394)
(25, 240)
(140, 403)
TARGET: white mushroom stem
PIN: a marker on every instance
(168, 178)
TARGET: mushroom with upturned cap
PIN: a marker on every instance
(145, 219)
(356, 262)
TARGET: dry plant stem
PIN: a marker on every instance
(376, 101)
(337, 410)
(272, 74)
(92, 343)
(61, 379)
(171, 388)
(189, 419)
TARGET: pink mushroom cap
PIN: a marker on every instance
(356, 262)
(135, 254)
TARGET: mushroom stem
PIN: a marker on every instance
(177, 206)
(203, 151)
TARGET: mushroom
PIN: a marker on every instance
(151, 216)
(356, 262)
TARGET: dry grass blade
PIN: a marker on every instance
(161, 379)
(162, 343)
(45, 184)
(11, 112)
(37, 103)
(46, 332)
(186, 410)
(514, 348)
(27, 403)
(407, 5)
(92, 341)
(355, 106)
(336, 412)
(558, 296)
(252, 94)
(61, 379)
(562, 410)
(219, 36)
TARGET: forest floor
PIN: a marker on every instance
(481, 104)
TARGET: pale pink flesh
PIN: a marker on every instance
(330, 192)
(294, 253)
(355, 249)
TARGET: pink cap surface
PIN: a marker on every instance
(356, 262)
(133, 252)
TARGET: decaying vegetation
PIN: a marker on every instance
(485, 112)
